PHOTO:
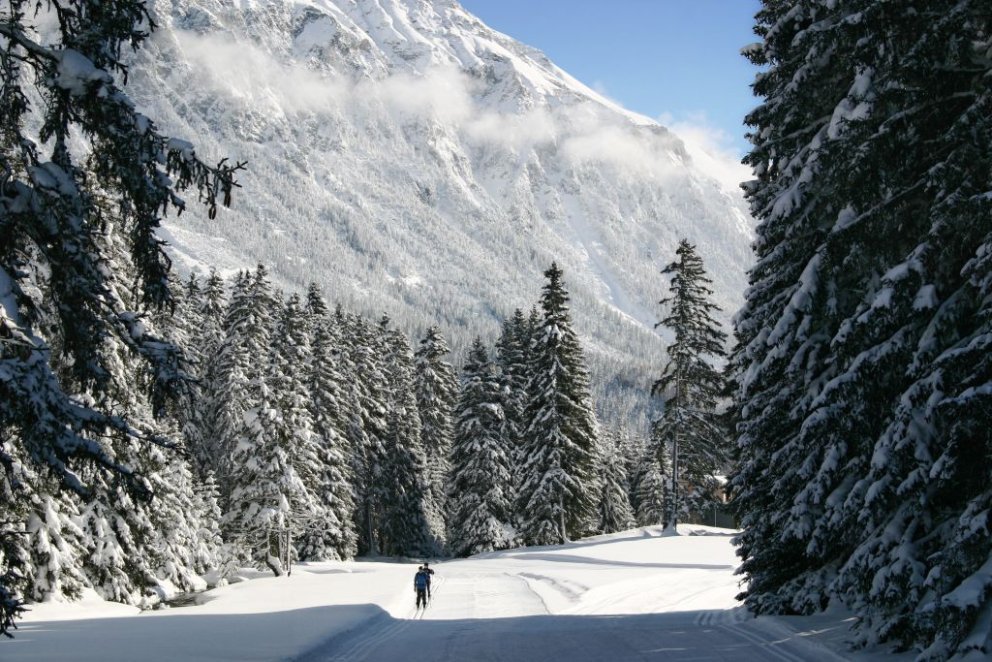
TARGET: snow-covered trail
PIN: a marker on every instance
(636, 595)
(575, 603)
(674, 636)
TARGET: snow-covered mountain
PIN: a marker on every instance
(414, 161)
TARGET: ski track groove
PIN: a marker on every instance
(365, 643)
(767, 645)
(473, 597)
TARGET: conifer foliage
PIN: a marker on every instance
(58, 304)
(437, 391)
(559, 484)
(864, 376)
(615, 513)
(480, 477)
(405, 492)
(689, 383)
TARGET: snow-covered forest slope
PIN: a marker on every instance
(413, 161)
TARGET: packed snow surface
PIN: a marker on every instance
(637, 595)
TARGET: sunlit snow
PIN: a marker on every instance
(634, 595)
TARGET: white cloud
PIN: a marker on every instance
(711, 147)
(443, 93)
(586, 133)
(519, 132)
(242, 71)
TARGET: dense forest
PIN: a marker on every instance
(312, 434)
(864, 381)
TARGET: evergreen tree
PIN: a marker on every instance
(329, 414)
(864, 373)
(512, 356)
(264, 486)
(181, 326)
(44, 522)
(207, 337)
(208, 553)
(436, 391)
(558, 493)
(242, 363)
(312, 526)
(51, 267)
(615, 513)
(367, 426)
(651, 489)
(115, 525)
(405, 498)
(183, 554)
(480, 477)
(632, 448)
(689, 384)
(15, 564)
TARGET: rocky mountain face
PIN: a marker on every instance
(413, 161)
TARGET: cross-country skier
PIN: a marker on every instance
(421, 581)
(430, 576)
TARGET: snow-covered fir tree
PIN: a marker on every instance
(242, 363)
(51, 267)
(559, 488)
(367, 427)
(329, 414)
(615, 513)
(864, 373)
(206, 337)
(651, 485)
(405, 527)
(512, 357)
(209, 551)
(265, 489)
(129, 546)
(312, 526)
(481, 487)
(632, 451)
(181, 325)
(689, 384)
(42, 524)
(436, 390)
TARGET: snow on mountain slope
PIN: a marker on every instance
(414, 161)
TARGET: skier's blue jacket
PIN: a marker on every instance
(420, 581)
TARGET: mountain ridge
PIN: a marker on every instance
(413, 161)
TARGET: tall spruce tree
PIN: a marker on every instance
(615, 513)
(436, 390)
(689, 384)
(51, 267)
(325, 382)
(263, 485)
(512, 356)
(405, 494)
(481, 487)
(652, 484)
(367, 423)
(242, 364)
(864, 374)
(311, 525)
(559, 487)
(115, 525)
(207, 336)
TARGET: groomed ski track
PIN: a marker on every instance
(533, 605)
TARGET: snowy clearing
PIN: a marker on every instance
(635, 595)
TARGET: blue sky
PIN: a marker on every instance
(674, 60)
